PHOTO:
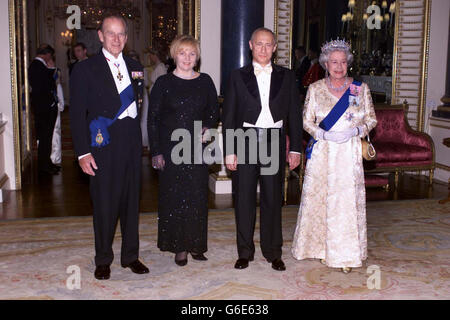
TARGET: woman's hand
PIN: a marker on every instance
(340, 136)
(158, 162)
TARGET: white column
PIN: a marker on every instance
(269, 14)
(210, 34)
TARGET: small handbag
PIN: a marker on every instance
(368, 151)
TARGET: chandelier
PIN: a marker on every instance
(93, 11)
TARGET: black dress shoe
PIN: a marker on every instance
(278, 265)
(199, 256)
(181, 263)
(137, 267)
(181, 258)
(102, 272)
(241, 263)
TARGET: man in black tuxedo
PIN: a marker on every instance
(44, 104)
(261, 97)
(80, 53)
(106, 93)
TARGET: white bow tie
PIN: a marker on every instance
(258, 69)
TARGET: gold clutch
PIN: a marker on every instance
(368, 151)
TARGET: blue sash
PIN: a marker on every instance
(99, 126)
(330, 120)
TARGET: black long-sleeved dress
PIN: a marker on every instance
(176, 103)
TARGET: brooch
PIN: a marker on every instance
(137, 75)
(99, 138)
(353, 101)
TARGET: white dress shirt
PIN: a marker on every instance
(265, 119)
(116, 65)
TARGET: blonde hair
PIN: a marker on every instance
(183, 41)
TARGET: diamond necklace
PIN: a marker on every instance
(338, 88)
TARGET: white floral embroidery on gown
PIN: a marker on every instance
(331, 222)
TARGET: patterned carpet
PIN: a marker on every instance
(409, 241)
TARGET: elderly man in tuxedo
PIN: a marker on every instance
(106, 93)
(261, 97)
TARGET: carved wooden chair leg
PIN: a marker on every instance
(431, 176)
(396, 179)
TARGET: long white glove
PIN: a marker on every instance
(338, 136)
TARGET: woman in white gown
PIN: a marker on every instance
(56, 155)
(331, 223)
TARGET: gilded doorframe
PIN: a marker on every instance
(19, 87)
(194, 8)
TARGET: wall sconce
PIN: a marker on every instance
(67, 38)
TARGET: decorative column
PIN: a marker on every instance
(239, 19)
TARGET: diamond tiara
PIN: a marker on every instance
(336, 45)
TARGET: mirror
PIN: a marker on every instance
(389, 41)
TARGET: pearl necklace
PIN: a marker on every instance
(338, 88)
(185, 78)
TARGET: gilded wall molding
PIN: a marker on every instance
(442, 166)
(14, 95)
(410, 63)
(283, 32)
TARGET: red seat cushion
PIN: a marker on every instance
(399, 154)
(375, 180)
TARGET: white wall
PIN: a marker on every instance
(210, 34)
(5, 95)
(437, 66)
(440, 10)
(269, 14)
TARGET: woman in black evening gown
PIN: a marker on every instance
(176, 101)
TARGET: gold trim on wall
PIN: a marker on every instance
(25, 72)
(180, 20)
(14, 95)
(277, 18)
(424, 72)
(197, 19)
(194, 18)
(442, 166)
(395, 53)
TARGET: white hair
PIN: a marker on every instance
(326, 51)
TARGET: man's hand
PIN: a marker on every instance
(231, 162)
(294, 160)
(88, 165)
(50, 63)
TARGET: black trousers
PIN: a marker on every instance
(44, 122)
(115, 192)
(245, 181)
